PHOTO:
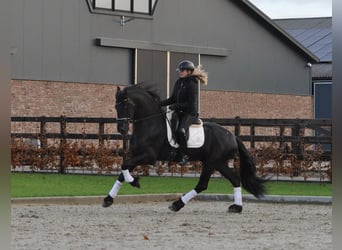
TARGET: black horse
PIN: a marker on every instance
(148, 144)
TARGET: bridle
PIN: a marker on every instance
(129, 119)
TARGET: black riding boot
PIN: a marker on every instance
(182, 141)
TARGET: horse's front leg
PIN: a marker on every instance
(125, 175)
(128, 166)
(109, 199)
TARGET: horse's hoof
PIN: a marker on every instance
(135, 182)
(177, 205)
(235, 209)
(108, 201)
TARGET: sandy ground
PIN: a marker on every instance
(199, 225)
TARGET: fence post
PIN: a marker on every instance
(237, 127)
(62, 145)
(42, 135)
(252, 132)
(101, 133)
(281, 134)
(101, 142)
(297, 144)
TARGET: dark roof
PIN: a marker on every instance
(274, 27)
(313, 33)
(322, 71)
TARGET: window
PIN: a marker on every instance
(124, 5)
(323, 105)
(322, 100)
(144, 7)
(103, 4)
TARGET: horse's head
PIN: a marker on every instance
(135, 103)
(124, 109)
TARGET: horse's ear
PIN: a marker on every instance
(118, 91)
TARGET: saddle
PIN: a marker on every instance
(195, 133)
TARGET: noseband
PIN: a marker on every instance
(130, 112)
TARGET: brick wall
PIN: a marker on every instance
(38, 98)
(44, 98)
(225, 104)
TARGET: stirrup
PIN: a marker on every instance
(184, 160)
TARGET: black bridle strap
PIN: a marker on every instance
(123, 119)
(147, 117)
(141, 119)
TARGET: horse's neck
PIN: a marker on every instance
(153, 123)
(146, 109)
(148, 115)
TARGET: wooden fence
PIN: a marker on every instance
(320, 131)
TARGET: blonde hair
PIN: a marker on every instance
(201, 74)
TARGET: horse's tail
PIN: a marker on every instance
(249, 180)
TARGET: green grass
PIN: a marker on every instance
(42, 185)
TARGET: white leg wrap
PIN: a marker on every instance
(115, 189)
(127, 175)
(188, 196)
(237, 196)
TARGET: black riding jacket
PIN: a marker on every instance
(184, 95)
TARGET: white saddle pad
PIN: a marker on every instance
(196, 136)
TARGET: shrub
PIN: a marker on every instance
(105, 158)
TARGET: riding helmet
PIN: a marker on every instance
(186, 65)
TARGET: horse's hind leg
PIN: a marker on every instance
(202, 185)
(234, 178)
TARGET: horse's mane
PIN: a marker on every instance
(149, 88)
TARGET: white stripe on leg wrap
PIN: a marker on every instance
(237, 196)
(127, 175)
(188, 196)
(115, 189)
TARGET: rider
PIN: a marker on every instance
(184, 101)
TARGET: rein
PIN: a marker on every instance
(127, 100)
(147, 117)
(141, 119)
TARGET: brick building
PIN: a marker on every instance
(69, 56)
(316, 35)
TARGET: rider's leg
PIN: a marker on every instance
(184, 124)
(182, 141)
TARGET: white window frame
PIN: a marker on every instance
(130, 11)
